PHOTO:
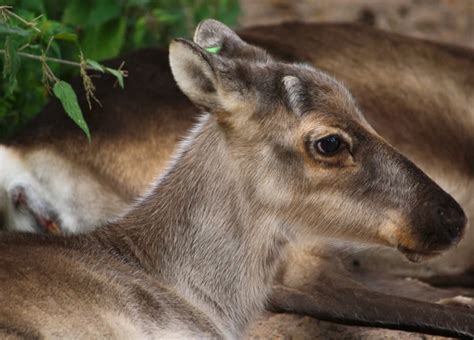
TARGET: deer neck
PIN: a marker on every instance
(199, 231)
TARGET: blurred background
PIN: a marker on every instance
(44, 42)
(450, 21)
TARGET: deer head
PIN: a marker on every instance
(304, 152)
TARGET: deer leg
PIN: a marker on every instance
(463, 280)
(358, 306)
(26, 200)
(318, 284)
(23, 205)
(459, 300)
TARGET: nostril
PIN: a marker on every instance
(451, 224)
(443, 218)
(453, 231)
(441, 213)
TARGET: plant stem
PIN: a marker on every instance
(27, 23)
(55, 60)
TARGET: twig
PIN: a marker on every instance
(87, 83)
(57, 60)
(32, 24)
(121, 70)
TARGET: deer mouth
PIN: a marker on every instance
(414, 255)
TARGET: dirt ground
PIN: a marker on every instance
(450, 21)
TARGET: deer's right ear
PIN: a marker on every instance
(194, 72)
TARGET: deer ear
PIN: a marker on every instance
(215, 37)
(211, 33)
(194, 72)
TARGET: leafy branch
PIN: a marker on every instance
(43, 42)
(61, 89)
(6, 13)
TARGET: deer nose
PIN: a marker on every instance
(451, 222)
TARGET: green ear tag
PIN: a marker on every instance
(214, 49)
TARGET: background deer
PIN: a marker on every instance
(123, 167)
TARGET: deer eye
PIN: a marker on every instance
(329, 145)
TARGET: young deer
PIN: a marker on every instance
(389, 76)
(196, 256)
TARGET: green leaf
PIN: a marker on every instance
(139, 31)
(11, 65)
(64, 92)
(35, 6)
(35, 47)
(137, 3)
(67, 36)
(77, 12)
(165, 17)
(6, 29)
(88, 13)
(117, 75)
(105, 41)
(104, 11)
(95, 65)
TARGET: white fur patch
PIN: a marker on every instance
(78, 199)
(13, 172)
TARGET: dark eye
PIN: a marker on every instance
(329, 145)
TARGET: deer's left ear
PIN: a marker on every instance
(194, 70)
(215, 37)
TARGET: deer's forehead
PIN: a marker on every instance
(321, 100)
(313, 90)
(321, 123)
(320, 120)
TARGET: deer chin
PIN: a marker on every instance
(416, 256)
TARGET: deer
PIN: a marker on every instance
(171, 118)
(399, 117)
